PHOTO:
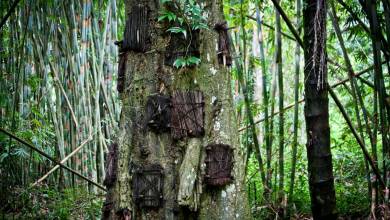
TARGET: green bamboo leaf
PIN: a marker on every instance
(193, 60)
(179, 62)
(178, 30)
(3, 156)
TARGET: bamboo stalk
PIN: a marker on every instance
(357, 137)
(302, 100)
(369, 7)
(296, 105)
(384, 43)
(288, 22)
(299, 40)
(250, 118)
(265, 103)
(271, 28)
(10, 11)
(58, 83)
(279, 73)
(356, 94)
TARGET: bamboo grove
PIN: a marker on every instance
(58, 90)
(305, 73)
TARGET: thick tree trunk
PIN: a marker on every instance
(319, 156)
(185, 194)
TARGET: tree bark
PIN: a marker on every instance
(185, 195)
(322, 193)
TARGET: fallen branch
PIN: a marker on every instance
(62, 161)
(50, 158)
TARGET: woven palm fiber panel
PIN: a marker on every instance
(224, 56)
(187, 114)
(111, 166)
(148, 186)
(137, 35)
(219, 164)
(158, 113)
(107, 207)
(123, 214)
(121, 71)
(180, 46)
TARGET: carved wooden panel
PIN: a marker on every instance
(187, 114)
(137, 35)
(224, 56)
(158, 113)
(111, 165)
(148, 183)
(219, 164)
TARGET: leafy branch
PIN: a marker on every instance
(185, 17)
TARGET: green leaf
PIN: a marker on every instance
(186, 61)
(179, 62)
(20, 152)
(193, 60)
(3, 156)
(200, 26)
(180, 20)
(167, 15)
(178, 30)
(171, 16)
(162, 17)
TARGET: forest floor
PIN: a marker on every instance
(46, 203)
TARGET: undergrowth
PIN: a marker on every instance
(49, 203)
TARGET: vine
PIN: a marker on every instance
(184, 16)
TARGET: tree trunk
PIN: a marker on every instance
(319, 156)
(185, 194)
